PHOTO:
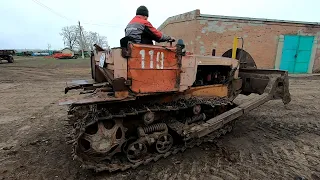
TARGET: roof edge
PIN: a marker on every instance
(188, 16)
(256, 19)
(195, 14)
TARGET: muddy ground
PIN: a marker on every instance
(271, 142)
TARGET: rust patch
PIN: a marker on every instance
(209, 91)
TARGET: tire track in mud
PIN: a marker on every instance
(40, 74)
(286, 154)
(30, 75)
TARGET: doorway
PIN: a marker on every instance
(296, 53)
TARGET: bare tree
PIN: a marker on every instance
(72, 38)
(69, 34)
(103, 42)
(95, 38)
(78, 44)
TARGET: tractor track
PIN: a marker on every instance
(86, 120)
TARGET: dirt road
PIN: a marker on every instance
(271, 142)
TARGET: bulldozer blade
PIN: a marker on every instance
(258, 81)
(270, 84)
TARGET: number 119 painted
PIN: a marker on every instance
(160, 59)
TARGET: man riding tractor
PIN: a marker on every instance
(140, 30)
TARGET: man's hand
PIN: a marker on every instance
(172, 39)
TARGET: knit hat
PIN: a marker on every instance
(142, 10)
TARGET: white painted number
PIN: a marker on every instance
(159, 60)
(162, 59)
(158, 57)
(151, 58)
(142, 52)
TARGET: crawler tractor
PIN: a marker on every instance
(147, 102)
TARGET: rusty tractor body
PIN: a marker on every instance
(147, 102)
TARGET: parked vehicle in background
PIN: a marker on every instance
(7, 55)
(24, 53)
(64, 56)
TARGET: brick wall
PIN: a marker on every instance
(183, 27)
(261, 38)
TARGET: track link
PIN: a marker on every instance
(80, 117)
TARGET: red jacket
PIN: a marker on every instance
(143, 32)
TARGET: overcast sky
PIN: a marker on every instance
(27, 24)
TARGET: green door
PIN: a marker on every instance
(296, 53)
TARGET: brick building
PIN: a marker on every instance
(276, 44)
